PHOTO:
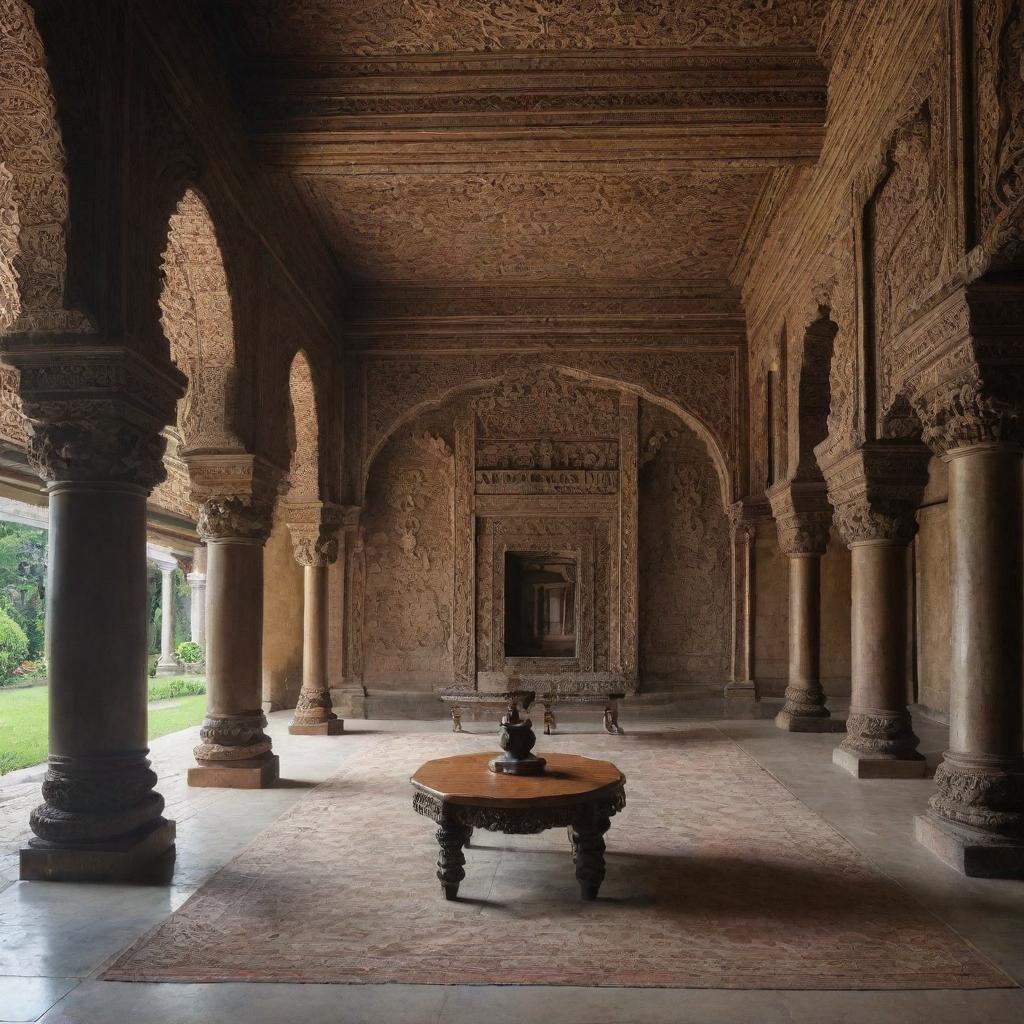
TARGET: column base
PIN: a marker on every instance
(789, 722)
(149, 859)
(168, 670)
(970, 851)
(260, 774)
(744, 690)
(332, 727)
(871, 766)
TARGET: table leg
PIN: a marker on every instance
(456, 718)
(451, 838)
(588, 853)
(549, 720)
(469, 836)
(611, 718)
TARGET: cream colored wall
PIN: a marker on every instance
(282, 621)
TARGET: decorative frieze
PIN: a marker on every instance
(546, 481)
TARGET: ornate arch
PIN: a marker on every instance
(585, 377)
(32, 149)
(813, 394)
(198, 322)
(304, 468)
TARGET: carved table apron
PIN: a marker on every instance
(578, 793)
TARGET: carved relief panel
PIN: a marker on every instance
(684, 559)
(408, 561)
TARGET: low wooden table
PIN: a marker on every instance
(609, 699)
(579, 793)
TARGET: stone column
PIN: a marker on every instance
(744, 516)
(313, 528)
(95, 413)
(975, 821)
(353, 691)
(968, 389)
(804, 518)
(235, 752)
(197, 587)
(876, 491)
(167, 664)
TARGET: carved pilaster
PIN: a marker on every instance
(744, 517)
(803, 517)
(94, 412)
(314, 526)
(876, 490)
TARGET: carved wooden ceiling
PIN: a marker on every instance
(475, 143)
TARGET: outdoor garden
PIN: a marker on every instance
(176, 702)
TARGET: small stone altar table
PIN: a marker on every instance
(579, 793)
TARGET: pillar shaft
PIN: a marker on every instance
(234, 752)
(880, 740)
(316, 547)
(167, 663)
(197, 623)
(95, 412)
(805, 633)
(981, 779)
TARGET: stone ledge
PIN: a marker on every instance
(146, 860)
(247, 776)
(807, 723)
(333, 727)
(970, 851)
(867, 766)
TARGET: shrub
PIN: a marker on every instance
(190, 653)
(13, 645)
(165, 689)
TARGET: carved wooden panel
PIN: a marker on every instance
(684, 559)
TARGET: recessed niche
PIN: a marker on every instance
(540, 605)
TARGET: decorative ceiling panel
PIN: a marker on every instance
(396, 27)
(569, 226)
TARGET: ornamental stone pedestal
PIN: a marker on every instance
(970, 397)
(314, 528)
(236, 495)
(876, 491)
(744, 517)
(804, 518)
(94, 415)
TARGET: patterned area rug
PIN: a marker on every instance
(717, 878)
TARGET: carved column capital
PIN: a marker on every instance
(965, 360)
(745, 515)
(235, 492)
(314, 528)
(803, 517)
(94, 411)
(876, 490)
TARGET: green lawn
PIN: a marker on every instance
(23, 723)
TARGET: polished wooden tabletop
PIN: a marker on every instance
(466, 779)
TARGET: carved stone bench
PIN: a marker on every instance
(457, 700)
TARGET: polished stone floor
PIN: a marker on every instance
(54, 939)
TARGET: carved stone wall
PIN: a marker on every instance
(408, 560)
(684, 559)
